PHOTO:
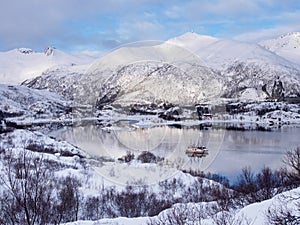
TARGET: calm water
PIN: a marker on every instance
(229, 151)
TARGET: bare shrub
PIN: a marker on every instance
(68, 200)
(229, 218)
(133, 202)
(127, 158)
(258, 187)
(180, 215)
(33, 195)
(266, 182)
(284, 214)
(148, 157)
(28, 189)
(292, 160)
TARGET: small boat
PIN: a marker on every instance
(197, 151)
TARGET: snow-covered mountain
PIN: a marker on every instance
(187, 69)
(129, 75)
(20, 64)
(286, 46)
(245, 66)
(22, 104)
(249, 67)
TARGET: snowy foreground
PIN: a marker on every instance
(99, 174)
(254, 214)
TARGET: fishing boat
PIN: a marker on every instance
(197, 151)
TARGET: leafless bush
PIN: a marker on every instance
(292, 160)
(148, 157)
(261, 186)
(127, 158)
(28, 189)
(93, 209)
(180, 215)
(134, 202)
(229, 218)
(285, 213)
(68, 200)
(30, 192)
(266, 182)
(169, 187)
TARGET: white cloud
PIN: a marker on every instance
(36, 24)
(173, 11)
(139, 30)
(264, 34)
(288, 22)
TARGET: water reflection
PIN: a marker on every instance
(229, 151)
(255, 149)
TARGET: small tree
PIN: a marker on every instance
(266, 184)
(246, 186)
(128, 157)
(147, 157)
(292, 160)
(69, 200)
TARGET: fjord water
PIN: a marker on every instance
(229, 151)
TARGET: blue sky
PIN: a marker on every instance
(75, 25)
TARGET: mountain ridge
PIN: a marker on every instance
(21, 64)
(286, 46)
(245, 71)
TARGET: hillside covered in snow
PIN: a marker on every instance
(20, 64)
(185, 70)
(286, 46)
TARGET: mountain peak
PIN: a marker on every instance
(192, 35)
(284, 42)
(192, 41)
(290, 35)
(286, 46)
(25, 50)
(49, 50)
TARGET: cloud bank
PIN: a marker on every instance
(95, 24)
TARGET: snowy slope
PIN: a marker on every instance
(20, 64)
(22, 103)
(38, 142)
(254, 214)
(244, 67)
(225, 52)
(63, 80)
(158, 83)
(287, 46)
